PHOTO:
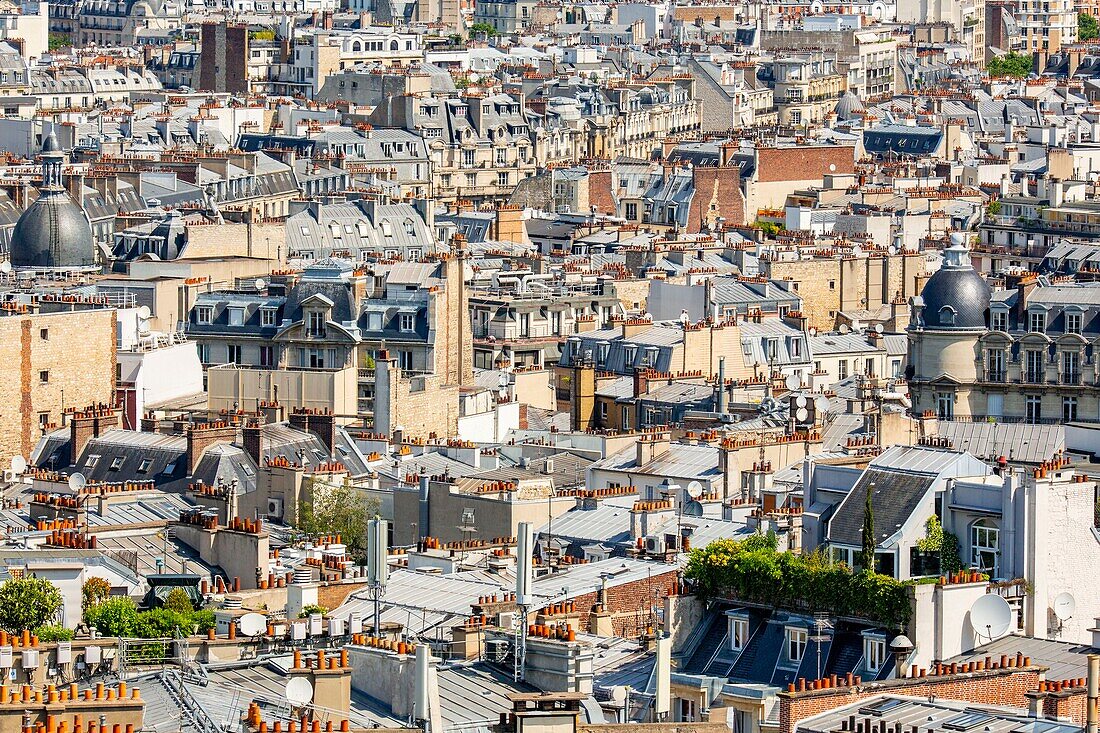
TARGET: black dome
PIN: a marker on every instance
(956, 296)
(53, 232)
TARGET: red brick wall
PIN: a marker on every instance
(803, 163)
(600, 192)
(1007, 686)
(727, 197)
(1072, 704)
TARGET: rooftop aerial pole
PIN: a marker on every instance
(524, 549)
(377, 566)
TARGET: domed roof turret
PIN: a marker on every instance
(956, 297)
(53, 232)
(848, 106)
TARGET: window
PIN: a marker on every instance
(405, 360)
(44, 376)
(502, 178)
(233, 354)
(632, 212)
(44, 334)
(995, 365)
(267, 356)
(771, 346)
(116, 462)
(143, 467)
(408, 321)
(1069, 409)
(236, 316)
(874, 653)
(738, 633)
(1073, 323)
(624, 418)
(267, 316)
(1033, 361)
(316, 325)
(204, 314)
(467, 158)
(945, 405)
(796, 644)
(1033, 409)
(796, 348)
(842, 369)
(43, 420)
(985, 546)
(93, 459)
(1037, 322)
(1071, 367)
(947, 316)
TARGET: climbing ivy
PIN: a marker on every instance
(944, 543)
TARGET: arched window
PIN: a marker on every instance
(356, 47)
(394, 45)
(985, 546)
(947, 316)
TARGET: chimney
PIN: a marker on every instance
(725, 153)
(641, 381)
(720, 407)
(204, 435)
(1092, 711)
(251, 436)
(650, 447)
(667, 146)
(87, 424)
(321, 423)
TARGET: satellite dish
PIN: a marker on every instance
(299, 692)
(802, 414)
(694, 489)
(879, 328)
(793, 382)
(143, 313)
(801, 401)
(813, 331)
(260, 284)
(618, 694)
(892, 249)
(821, 404)
(18, 464)
(1064, 606)
(844, 328)
(693, 509)
(5, 266)
(252, 624)
(990, 616)
(77, 481)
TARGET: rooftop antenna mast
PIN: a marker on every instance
(524, 550)
(377, 566)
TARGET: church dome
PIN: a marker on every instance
(53, 232)
(956, 297)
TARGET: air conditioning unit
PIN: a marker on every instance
(496, 649)
(64, 652)
(506, 619)
(93, 654)
(653, 544)
(30, 659)
(275, 508)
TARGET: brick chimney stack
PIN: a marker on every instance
(204, 435)
(89, 423)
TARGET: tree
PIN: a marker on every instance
(113, 617)
(333, 509)
(867, 553)
(311, 609)
(93, 592)
(483, 31)
(59, 40)
(1016, 65)
(27, 603)
(177, 600)
(1087, 28)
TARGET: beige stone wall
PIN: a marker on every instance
(74, 351)
(266, 241)
(427, 410)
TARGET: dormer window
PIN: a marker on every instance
(947, 316)
(1037, 322)
(998, 320)
(1073, 323)
(267, 316)
(315, 325)
(236, 316)
(796, 644)
(408, 321)
(204, 314)
(874, 652)
(738, 633)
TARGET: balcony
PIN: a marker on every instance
(1034, 377)
(996, 375)
(1071, 378)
